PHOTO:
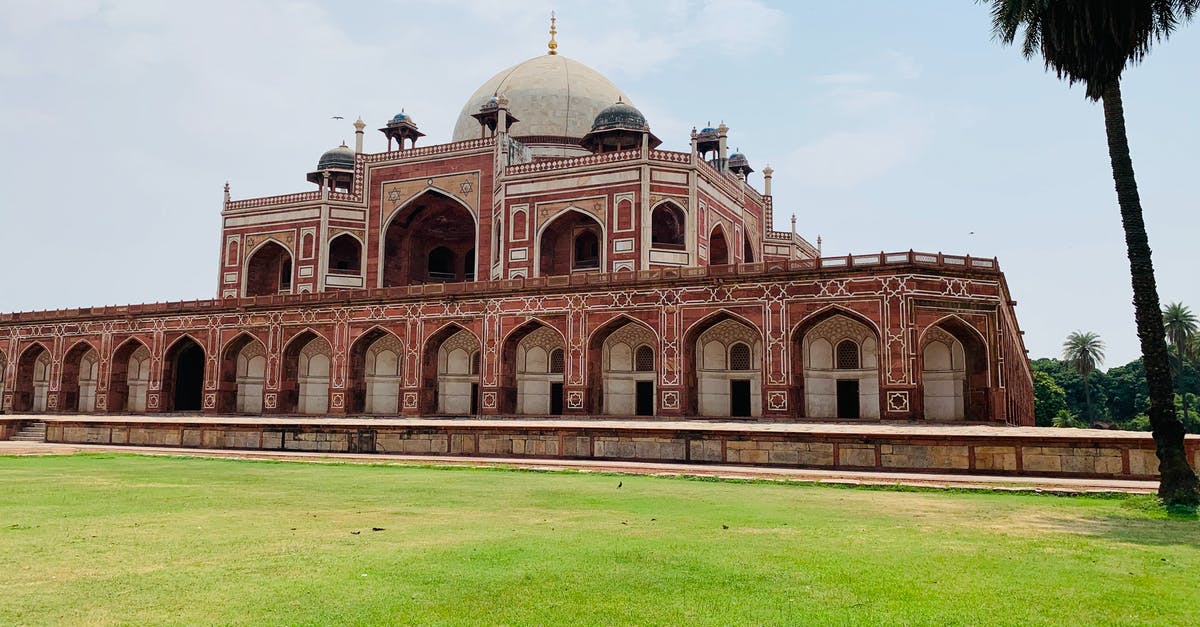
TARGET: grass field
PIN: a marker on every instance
(101, 539)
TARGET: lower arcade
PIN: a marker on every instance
(904, 336)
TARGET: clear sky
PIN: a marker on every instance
(891, 125)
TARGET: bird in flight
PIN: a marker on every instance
(337, 117)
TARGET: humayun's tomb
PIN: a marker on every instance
(550, 283)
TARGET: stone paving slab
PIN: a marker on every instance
(865, 429)
(969, 482)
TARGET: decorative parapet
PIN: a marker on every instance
(573, 162)
(670, 156)
(436, 149)
(733, 188)
(270, 201)
(768, 269)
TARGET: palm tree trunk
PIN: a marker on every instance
(1177, 484)
(1087, 397)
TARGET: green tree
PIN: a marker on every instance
(1091, 42)
(1084, 351)
(1180, 325)
(1048, 398)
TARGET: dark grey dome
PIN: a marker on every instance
(620, 116)
(340, 158)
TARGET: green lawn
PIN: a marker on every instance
(101, 539)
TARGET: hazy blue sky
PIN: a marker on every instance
(891, 125)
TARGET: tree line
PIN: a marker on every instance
(1074, 392)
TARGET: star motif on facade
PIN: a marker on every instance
(394, 196)
(466, 187)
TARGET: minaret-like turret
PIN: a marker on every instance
(401, 128)
(359, 125)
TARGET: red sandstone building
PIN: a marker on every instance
(549, 260)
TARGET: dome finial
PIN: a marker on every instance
(553, 31)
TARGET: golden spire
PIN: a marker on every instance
(553, 31)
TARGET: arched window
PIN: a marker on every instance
(667, 227)
(558, 361)
(441, 264)
(739, 357)
(475, 362)
(345, 255)
(587, 251)
(644, 359)
(747, 251)
(285, 274)
(847, 355)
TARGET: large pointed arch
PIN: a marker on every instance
(827, 390)
(305, 373)
(268, 269)
(129, 376)
(955, 391)
(557, 243)
(376, 365)
(631, 383)
(183, 375)
(514, 385)
(718, 247)
(705, 392)
(242, 374)
(450, 388)
(32, 383)
(77, 382)
(430, 219)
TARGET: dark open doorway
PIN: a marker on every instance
(556, 398)
(847, 399)
(645, 398)
(739, 398)
(189, 379)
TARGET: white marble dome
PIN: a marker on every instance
(550, 95)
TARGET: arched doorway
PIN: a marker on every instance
(33, 380)
(382, 366)
(668, 227)
(954, 377)
(747, 250)
(533, 363)
(269, 271)
(77, 385)
(304, 387)
(718, 247)
(839, 368)
(725, 368)
(183, 376)
(129, 377)
(428, 222)
(243, 373)
(345, 255)
(453, 356)
(572, 242)
(623, 369)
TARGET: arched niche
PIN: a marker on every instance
(457, 384)
(242, 376)
(183, 376)
(840, 368)
(129, 377)
(954, 373)
(718, 247)
(32, 386)
(268, 270)
(531, 385)
(429, 221)
(78, 381)
(571, 242)
(668, 227)
(304, 386)
(725, 368)
(626, 370)
(345, 255)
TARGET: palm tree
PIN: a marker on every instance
(1180, 325)
(1084, 351)
(1091, 42)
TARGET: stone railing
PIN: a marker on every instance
(436, 149)
(670, 156)
(721, 181)
(270, 201)
(573, 162)
(768, 269)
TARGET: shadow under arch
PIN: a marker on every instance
(268, 269)
(573, 240)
